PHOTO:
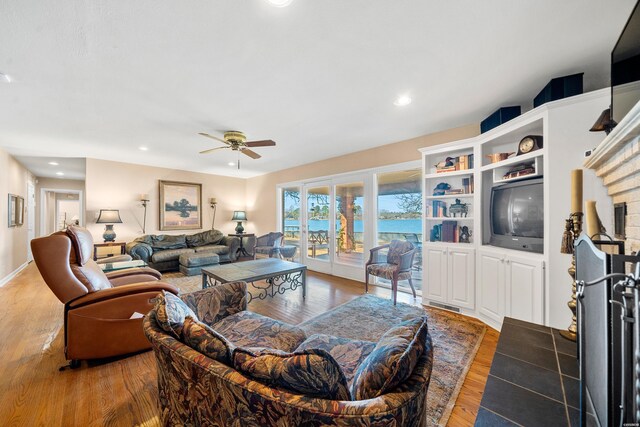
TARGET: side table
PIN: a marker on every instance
(241, 250)
(123, 246)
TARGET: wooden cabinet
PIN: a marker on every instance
(510, 285)
(451, 275)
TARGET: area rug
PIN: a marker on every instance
(456, 339)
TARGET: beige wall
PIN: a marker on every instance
(261, 190)
(13, 241)
(117, 185)
(55, 184)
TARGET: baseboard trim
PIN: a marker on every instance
(8, 278)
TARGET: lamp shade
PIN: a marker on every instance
(239, 216)
(109, 216)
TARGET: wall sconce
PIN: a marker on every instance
(214, 204)
(144, 199)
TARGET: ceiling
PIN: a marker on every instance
(71, 167)
(99, 79)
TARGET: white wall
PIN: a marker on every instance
(115, 185)
(13, 240)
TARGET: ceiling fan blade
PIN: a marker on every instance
(263, 143)
(250, 153)
(211, 149)
(214, 137)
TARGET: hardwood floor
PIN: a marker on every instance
(122, 392)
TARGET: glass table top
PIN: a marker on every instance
(113, 266)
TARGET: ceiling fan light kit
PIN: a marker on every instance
(237, 141)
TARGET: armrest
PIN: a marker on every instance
(135, 271)
(233, 243)
(373, 252)
(406, 260)
(214, 304)
(122, 291)
(140, 250)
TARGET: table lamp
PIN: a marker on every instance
(239, 216)
(109, 217)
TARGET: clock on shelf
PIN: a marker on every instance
(529, 143)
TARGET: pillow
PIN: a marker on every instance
(163, 242)
(171, 312)
(202, 338)
(209, 237)
(310, 372)
(392, 361)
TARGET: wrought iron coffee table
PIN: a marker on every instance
(280, 276)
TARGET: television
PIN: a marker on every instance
(625, 68)
(516, 215)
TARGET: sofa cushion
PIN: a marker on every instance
(171, 312)
(170, 255)
(217, 302)
(163, 242)
(348, 353)
(214, 249)
(311, 372)
(202, 338)
(209, 237)
(392, 360)
(248, 329)
(199, 259)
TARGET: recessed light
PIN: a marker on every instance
(231, 164)
(53, 163)
(143, 148)
(5, 78)
(402, 100)
(60, 173)
(280, 3)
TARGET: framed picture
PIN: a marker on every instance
(19, 211)
(180, 205)
(13, 201)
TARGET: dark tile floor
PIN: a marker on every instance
(533, 379)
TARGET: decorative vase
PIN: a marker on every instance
(109, 234)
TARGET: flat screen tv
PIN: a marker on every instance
(625, 68)
(517, 215)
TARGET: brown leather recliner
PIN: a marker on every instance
(97, 306)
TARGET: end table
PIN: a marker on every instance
(123, 246)
(241, 250)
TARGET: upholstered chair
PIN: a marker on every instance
(98, 307)
(396, 266)
(268, 244)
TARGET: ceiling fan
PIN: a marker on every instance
(237, 141)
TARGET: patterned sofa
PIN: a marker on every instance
(162, 252)
(233, 367)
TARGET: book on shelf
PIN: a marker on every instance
(454, 191)
(446, 169)
(449, 229)
(437, 209)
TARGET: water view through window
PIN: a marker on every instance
(398, 216)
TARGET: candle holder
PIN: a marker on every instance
(573, 229)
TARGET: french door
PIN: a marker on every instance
(317, 236)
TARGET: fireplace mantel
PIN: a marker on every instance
(617, 161)
(624, 133)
